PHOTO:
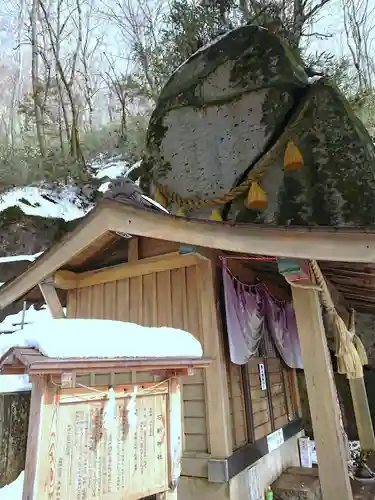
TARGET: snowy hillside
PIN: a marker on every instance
(64, 202)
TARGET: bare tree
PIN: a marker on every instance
(359, 24)
(139, 22)
(35, 77)
(67, 76)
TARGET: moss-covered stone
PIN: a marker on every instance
(220, 110)
(229, 104)
(27, 234)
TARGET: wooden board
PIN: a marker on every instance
(87, 461)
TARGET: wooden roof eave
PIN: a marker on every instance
(31, 361)
(324, 244)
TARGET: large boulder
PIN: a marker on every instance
(230, 111)
(220, 111)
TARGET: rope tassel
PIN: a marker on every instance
(256, 197)
(215, 215)
(357, 341)
(349, 350)
(293, 159)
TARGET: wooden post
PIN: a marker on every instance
(362, 414)
(52, 300)
(321, 390)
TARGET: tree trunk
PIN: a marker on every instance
(14, 422)
(35, 78)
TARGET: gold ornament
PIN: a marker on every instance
(256, 197)
(293, 159)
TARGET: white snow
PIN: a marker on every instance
(112, 168)
(17, 258)
(62, 202)
(82, 338)
(14, 383)
(13, 321)
(104, 187)
(155, 203)
(14, 490)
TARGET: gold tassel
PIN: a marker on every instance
(160, 198)
(180, 212)
(215, 215)
(256, 197)
(293, 159)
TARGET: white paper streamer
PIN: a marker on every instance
(110, 411)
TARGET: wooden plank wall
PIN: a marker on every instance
(237, 406)
(261, 409)
(281, 382)
(168, 298)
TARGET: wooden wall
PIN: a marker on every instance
(168, 298)
(280, 379)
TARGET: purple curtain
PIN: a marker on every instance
(250, 314)
(245, 312)
(282, 326)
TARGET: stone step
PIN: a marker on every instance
(298, 483)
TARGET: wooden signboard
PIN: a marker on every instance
(80, 457)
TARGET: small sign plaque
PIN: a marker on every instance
(262, 376)
(275, 440)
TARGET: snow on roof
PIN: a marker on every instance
(17, 258)
(155, 203)
(14, 490)
(83, 338)
(11, 324)
(63, 202)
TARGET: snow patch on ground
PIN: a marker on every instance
(19, 258)
(12, 323)
(64, 202)
(111, 167)
(83, 338)
(14, 490)
(60, 203)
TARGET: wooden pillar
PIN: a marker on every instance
(321, 390)
(52, 300)
(362, 414)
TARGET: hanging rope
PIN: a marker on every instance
(349, 350)
(255, 174)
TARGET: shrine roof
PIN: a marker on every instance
(20, 360)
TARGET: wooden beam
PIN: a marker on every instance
(68, 280)
(347, 245)
(96, 224)
(52, 300)
(362, 414)
(133, 250)
(321, 390)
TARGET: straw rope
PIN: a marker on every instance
(255, 174)
(349, 350)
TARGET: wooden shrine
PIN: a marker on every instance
(78, 449)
